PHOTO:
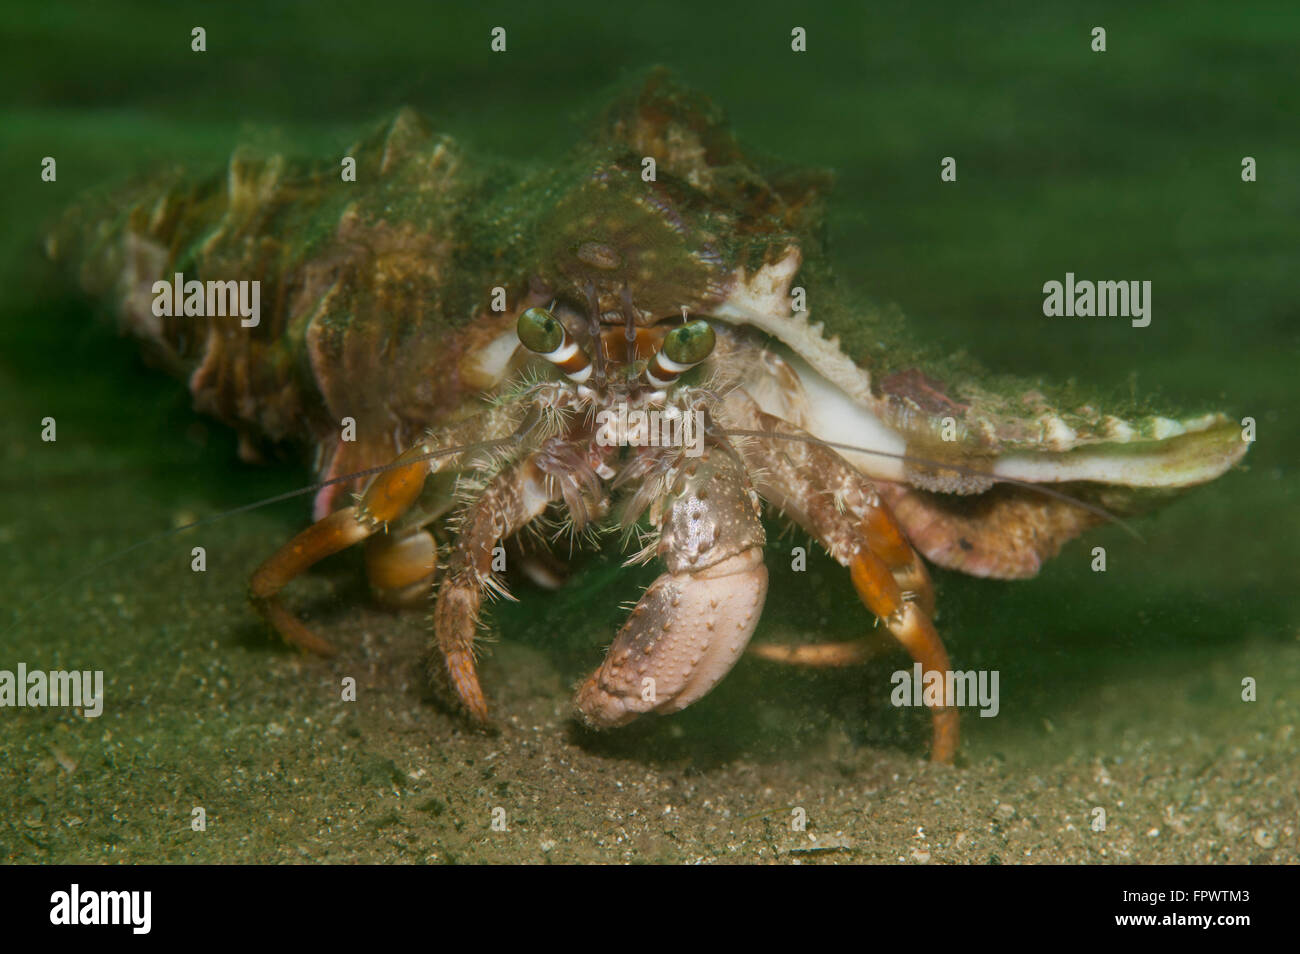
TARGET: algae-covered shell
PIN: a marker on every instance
(380, 302)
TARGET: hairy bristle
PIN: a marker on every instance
(546, 417)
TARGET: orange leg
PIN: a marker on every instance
(850, 652)
(387, 498)
(908, 624)
(401, 566)
(913, 582)
(513, 498)
(911, 626)
(830, 499)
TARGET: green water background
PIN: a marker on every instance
(1117, 165)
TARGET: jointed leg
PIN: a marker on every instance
(387, 498)
(913, 582)
(397, 564)
(401, 566)
(911, 626)
(511, 500)
(831, 500)
(831, 655)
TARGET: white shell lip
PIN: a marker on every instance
(1153, 452)
(762, 301)
(1188, 453)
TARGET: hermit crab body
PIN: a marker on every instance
(623, 340)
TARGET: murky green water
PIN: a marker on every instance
(1119, 690)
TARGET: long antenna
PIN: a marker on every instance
(1093, 509)
(518, 436)
(266, 502)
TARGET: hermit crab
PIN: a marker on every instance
(482, 353)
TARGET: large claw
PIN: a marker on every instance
(684, 635)
(694, 622)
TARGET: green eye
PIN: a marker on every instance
(539, 331)
(689, 344)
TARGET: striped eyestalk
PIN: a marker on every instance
(543, 334)
(684, 347)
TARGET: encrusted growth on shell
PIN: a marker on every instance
(377, 294)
